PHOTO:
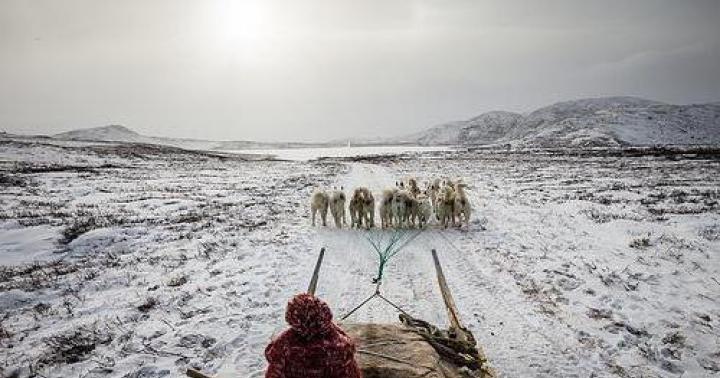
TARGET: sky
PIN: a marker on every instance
(317, 70)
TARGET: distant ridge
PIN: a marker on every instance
(604, 121)
(107, 133)
(119, 133)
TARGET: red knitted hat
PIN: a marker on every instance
(308, 316)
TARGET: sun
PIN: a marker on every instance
(242, 23)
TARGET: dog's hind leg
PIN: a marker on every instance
(323, 215)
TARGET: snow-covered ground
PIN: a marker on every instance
(150, 260)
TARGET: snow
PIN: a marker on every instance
(305, 154)
(575, 264)
(22, 245)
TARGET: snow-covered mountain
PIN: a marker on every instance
(118, 133)
(446, 133)
(488, 127)
(105, 133)
(607, 121)
(618, 121)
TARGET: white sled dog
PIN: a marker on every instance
(386, 211)
(423, 210)
(399, 206)
(432, 192)
(356, 208)
(462, 205)
(319, 203)
(446, 206)
(337, 207)
(368, 209)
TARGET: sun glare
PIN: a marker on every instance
(242, 23)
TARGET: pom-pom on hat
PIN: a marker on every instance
(308, 316)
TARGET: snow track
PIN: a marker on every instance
(503, 320)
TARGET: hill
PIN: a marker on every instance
(607, 121)
(118, 133)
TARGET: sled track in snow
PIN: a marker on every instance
(487, 304)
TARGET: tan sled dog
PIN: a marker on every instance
(337, 208)
(319, 203)
(386, 211)
(356, 209)
(368, 209)
(462, 205)
(399, 205)
(413, 188)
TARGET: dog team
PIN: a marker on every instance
(404, 205)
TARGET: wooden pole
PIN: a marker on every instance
(316, 273)
(452, 311)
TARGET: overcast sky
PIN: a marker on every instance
(325, 69)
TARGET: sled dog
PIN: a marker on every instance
(423, 210)
(319, 203)
(432, 192)
(337, 207)
(368, 208)
(386, 211)
(400, 208)
(356, 208)
(413, 187)
(462, 205)
(446, 206)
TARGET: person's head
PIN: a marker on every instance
(308, 316)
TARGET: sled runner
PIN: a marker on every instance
(412, 348)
